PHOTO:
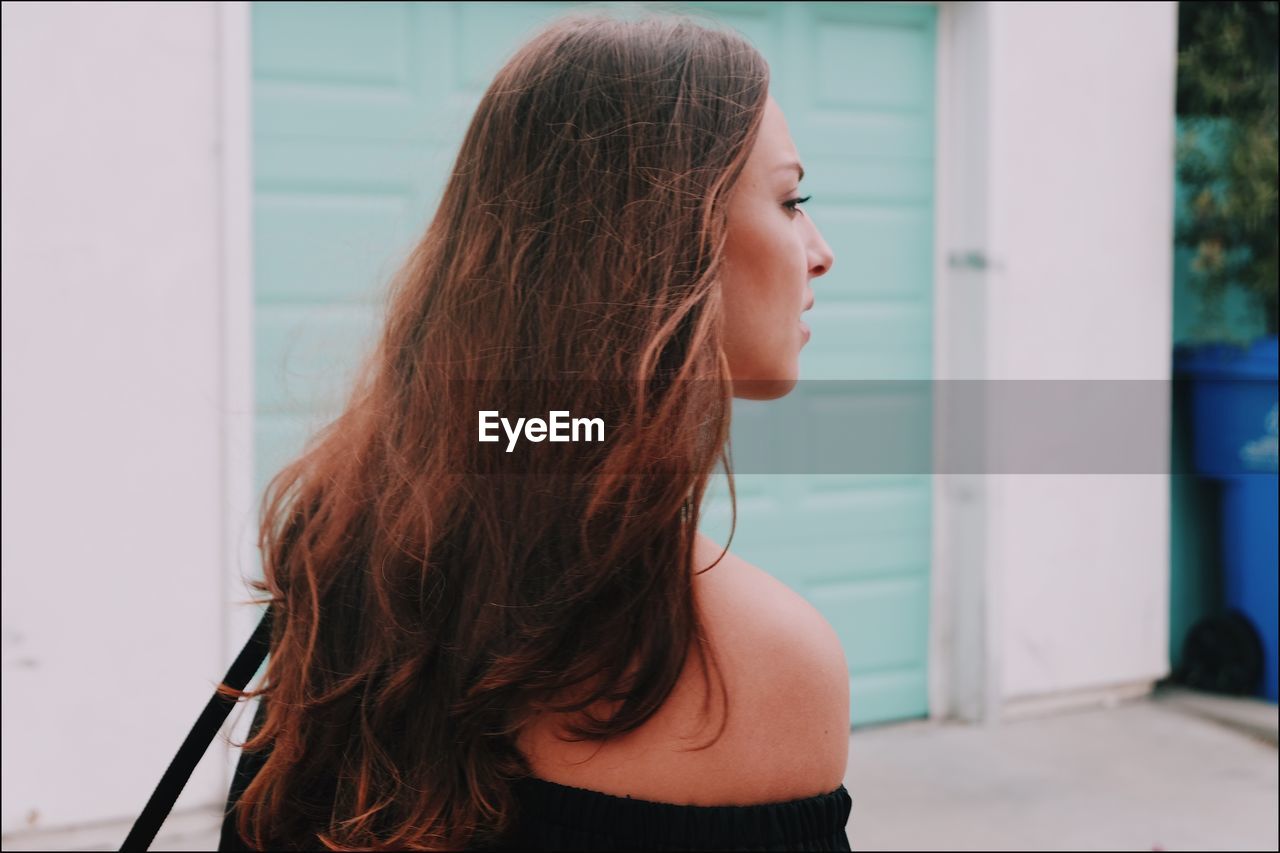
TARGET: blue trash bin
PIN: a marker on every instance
(1235, 408)
(1249, 511)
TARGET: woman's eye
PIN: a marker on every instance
(790, 204)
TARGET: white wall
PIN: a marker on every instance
(114, 480)
(1080, 223)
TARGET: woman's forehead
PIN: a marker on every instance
(774, 147)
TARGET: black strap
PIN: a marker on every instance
(198, 740)
(249, 765)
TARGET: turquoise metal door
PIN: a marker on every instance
(856, 82)
(358, 112)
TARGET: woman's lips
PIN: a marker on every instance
(804, 330)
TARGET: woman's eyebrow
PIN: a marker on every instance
(791, 164)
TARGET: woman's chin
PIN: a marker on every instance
(763, 389)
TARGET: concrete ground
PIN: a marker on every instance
(1176, 770)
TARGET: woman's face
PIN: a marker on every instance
(772, 252)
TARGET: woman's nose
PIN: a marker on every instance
(824, 258)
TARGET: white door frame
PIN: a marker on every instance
(964, 646)
(235, 163)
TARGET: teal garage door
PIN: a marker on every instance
(358, 110)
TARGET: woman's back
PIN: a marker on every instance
(774, 778)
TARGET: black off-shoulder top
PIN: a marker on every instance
(556, 817)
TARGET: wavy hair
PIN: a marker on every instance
(427, 604)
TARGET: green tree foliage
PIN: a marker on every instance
(1227, 84)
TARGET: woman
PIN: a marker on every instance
(475, 649)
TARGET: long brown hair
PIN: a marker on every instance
(426, 605)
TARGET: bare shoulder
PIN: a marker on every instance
(786, 734)
(791, 717)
